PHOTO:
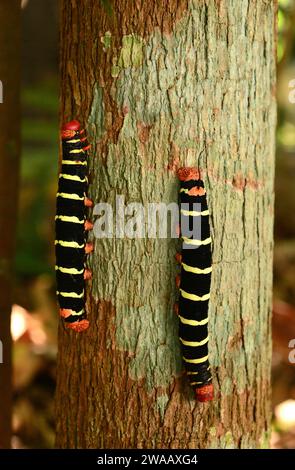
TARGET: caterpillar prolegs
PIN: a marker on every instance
(71, 227)
(194, 282)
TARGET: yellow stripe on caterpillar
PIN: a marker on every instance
(73, 141)
(68, 218)
(194, 297)
(69, 270)
(186, 321)
(70, 196)
(194, 213)
(73, 162)
(192, 373)
(196, 361)
(192, 241)
(77, 151)
(194, 343)
(76, 314)
(198, 383)
(73, 295)
(73, 178)
(191, 269)
(68, 244)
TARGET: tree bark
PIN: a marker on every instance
(161, 85)
(9, 170)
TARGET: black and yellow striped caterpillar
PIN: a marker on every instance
(194, 282)
(71, 227)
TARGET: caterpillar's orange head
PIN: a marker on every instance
(187, 173)
(69, 129)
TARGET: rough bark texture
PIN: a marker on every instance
(9, 166)
(161, 85)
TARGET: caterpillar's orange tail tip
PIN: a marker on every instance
(188, 173)
(78, 326)
(205, 393)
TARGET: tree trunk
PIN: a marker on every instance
(9, 170)
(161, 85)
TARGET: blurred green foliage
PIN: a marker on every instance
(38, 178)
(285, 27)
(286, 58)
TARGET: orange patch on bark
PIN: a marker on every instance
(143, 131)
(240, 182)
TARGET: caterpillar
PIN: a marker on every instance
(71, 227)
(194, 282)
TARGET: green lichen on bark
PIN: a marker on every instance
(132, 51)
(107, 39)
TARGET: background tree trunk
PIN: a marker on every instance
(9, 170)
(161, 85)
